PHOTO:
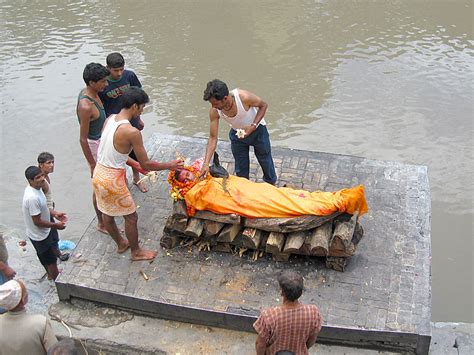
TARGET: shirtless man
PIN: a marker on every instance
(109, 181)
(91, 114)
(244, 111)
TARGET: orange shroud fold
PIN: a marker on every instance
(262, 200)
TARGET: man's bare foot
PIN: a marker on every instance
(102, 229)
(143, 254)
(141, 186)
(123, 247)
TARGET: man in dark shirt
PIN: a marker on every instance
(118, 81)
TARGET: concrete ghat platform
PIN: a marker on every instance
(383, 299)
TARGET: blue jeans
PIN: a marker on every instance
(260, 141)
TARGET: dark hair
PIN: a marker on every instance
(291, 285)
(134, 95)
(115, 60)
(94, 72)
(44, 157)
(31, 172)
(66, 346)
(216, 89)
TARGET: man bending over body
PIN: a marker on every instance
(109, 180)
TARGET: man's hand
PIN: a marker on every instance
(92, 167)
(176, 164)
(60, 216)
(249, 130)
(7, 271)
(204, 170)
(60, 225)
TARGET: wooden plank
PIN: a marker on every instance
(224, 218)
(228, 233)
(275, 242)
(179, 209)
(294, 241)
(176, 223)
(251, 238)
(288, 225)
(194, 228)
(343, 233)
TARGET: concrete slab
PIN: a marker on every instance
(383, 299)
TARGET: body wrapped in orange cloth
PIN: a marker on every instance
(261, 200)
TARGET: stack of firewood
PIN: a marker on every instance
(334, 237)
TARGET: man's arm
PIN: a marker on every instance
(260, 345)
(137, 143)
(49, 339)
(84, 111)
(47, 224)
(251, 100)
(314, 334)
(212, 140)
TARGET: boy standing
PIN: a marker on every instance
(118, 81)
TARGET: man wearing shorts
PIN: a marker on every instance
(37, 216)
(91, 114)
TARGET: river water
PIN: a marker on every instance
(366, 78)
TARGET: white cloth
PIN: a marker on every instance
(10, 294)
(34, 203)
(242, 118)
(108, 156)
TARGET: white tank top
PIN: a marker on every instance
(242, 118)
(108, 155)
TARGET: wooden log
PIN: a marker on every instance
(343, 233)
(222, 247)
(194, 228)
(275, 242)
(251, 238)
(294, 241)
(228, 233)
(223, 218)
(335, 263)
(317, 242)
(212, 227)
(176, 223)
(179, 209)
(281, 256)
(288, 225)
(358, 234)
(169, 241)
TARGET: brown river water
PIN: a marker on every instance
(383, 81)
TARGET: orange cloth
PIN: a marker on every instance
(262, 200)
(111, 191)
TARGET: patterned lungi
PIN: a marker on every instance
(111, 191)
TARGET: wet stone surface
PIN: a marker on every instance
(386, 286)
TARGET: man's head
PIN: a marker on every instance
(291, 285)
(13, 295)
(95, 76)
(46, 162)
(35, 176)
(184, 175)
(135, 98)
(65, 346)
(116, 65)
(217, 94)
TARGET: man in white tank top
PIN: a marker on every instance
(243, 111)
(118, 138)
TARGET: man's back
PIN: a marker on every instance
(288, 328)
(23, 333)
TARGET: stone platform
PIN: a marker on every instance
(383, 299)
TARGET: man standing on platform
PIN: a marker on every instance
(39, 225)
(119, 80)
(244, 112)
(91, 114)
(292, 327)
(109, 181)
